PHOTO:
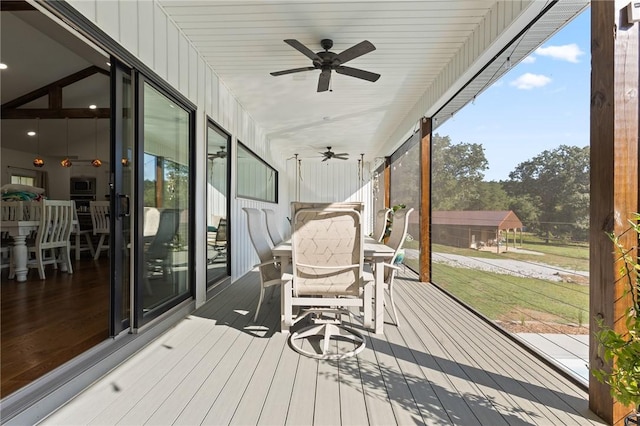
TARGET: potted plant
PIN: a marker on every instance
(624, 347)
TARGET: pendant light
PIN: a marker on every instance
(96, 161)
(38, 161)
(66, 162)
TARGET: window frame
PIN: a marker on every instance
(253, 155)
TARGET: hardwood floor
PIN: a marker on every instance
(45, 323)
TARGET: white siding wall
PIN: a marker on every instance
(329, 181)
(143, 28)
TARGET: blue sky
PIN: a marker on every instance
(540, 104)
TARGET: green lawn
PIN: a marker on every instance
(509, 298)
(504, 297)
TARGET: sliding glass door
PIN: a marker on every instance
(120, 195)
(165, 260)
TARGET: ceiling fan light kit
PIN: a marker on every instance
(329, 61)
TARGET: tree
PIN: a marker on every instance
(558, 181)
(490, 196)
(457, 174)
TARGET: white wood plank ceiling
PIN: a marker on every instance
(416, 42)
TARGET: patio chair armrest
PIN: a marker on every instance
(268, 262)
(389, 265)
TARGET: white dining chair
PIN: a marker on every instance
(272, 226)
(100, 220)
(270, 275)
(52, 242)
(396, 241)
(77, 236)
(382, 216)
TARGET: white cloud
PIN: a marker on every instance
(567, 52)
(530, 81)
(529, 60)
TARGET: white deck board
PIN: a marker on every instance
(443, 365)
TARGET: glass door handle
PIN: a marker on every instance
(124, 205)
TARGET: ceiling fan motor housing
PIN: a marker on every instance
(326, 43)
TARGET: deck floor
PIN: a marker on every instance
(441, 366)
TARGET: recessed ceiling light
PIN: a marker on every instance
(3, 66)
(92, 106)
(31, 133)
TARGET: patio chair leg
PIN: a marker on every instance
(255, 317)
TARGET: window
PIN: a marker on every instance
(23, 180)
(256, 179)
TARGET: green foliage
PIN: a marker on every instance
(490, 196)
(557, 182)
(457, 174)
(622, 350)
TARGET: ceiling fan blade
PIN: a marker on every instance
(355, 51)
(276, 73)
(358, 73)
(325, 158)
(323, 80)
(342, 154)
(303, 49)
(340, 158)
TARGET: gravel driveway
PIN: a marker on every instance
(517, 268)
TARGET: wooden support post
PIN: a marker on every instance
(425, 199)
(387, 182)
(614, 175)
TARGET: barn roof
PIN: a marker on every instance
(501, 219)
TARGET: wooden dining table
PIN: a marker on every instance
(18, 230)
(374, 252)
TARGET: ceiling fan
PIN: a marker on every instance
(327, 61)
(220, 154)
(328, 154)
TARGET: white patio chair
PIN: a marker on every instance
(77, 234)
(270, 276)
(381, 224)
(52, 239)
(100, 220)
(395, 241)
(220, 242)
(327, 279)
(272, 226)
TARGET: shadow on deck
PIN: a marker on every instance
(441, 366)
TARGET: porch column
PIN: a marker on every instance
(387, 182)
(425, 199)
(614, 175)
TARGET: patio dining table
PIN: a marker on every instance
(374, 252)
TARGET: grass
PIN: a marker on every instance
(505, 297)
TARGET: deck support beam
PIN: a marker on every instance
(614, 175)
